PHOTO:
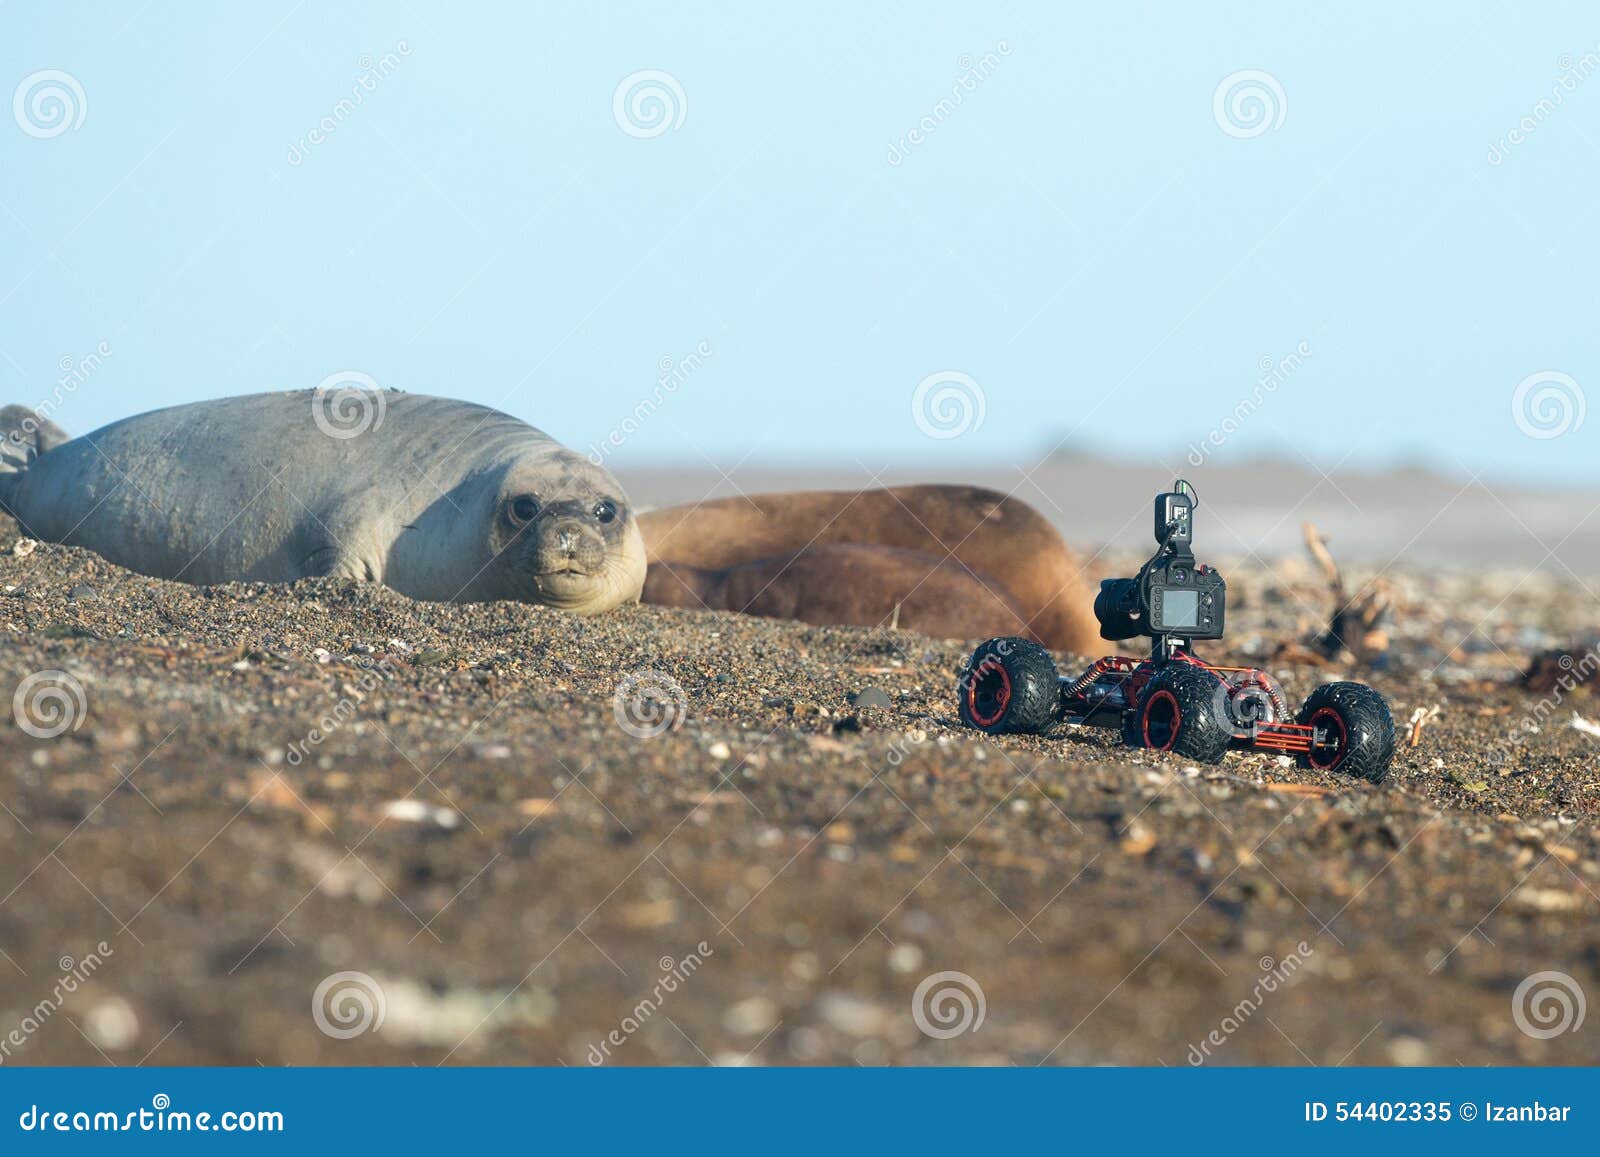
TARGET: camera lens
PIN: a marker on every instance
(1117, 607)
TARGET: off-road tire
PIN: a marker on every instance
(1183, 710)
(1009, 685)
(1361, 714)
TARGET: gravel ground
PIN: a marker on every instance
(262, 788)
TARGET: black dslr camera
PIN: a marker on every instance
(1173, 600)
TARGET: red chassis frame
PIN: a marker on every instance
(1112, 685)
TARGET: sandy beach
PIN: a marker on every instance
(261, 796)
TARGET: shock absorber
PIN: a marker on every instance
(1081, 684)
(1263, 682)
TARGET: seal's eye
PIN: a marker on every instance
(605, 510)
(524, 509)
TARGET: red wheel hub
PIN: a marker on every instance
(988, 693)
(1161, 720)
(1326, 755)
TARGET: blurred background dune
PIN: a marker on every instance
(1374, 518)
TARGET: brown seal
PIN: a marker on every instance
(996, 541)
(846, 583)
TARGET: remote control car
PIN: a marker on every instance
(1173, 701)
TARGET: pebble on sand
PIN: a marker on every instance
(851, 1015)
(111, 1024)
(871, 697)
(415, 811)
(905, 958)
(750, 1017)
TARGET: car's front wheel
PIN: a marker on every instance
(1182, 712)
(1353, 731)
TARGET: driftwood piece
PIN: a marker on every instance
(1564, 670)
(1420, 718)
(1359, 625)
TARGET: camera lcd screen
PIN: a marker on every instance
(1179, 609)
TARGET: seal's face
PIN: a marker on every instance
(571, 543)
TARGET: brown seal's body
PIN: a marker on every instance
(845, 583)
(995, 541)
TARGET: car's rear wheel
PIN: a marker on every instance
(1009, 685)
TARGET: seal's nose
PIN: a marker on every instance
(565, 539)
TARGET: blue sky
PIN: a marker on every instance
(1102, 253)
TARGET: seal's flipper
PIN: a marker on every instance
(24, 435)
(336, 562)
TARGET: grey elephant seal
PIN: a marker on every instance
(439, 499)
